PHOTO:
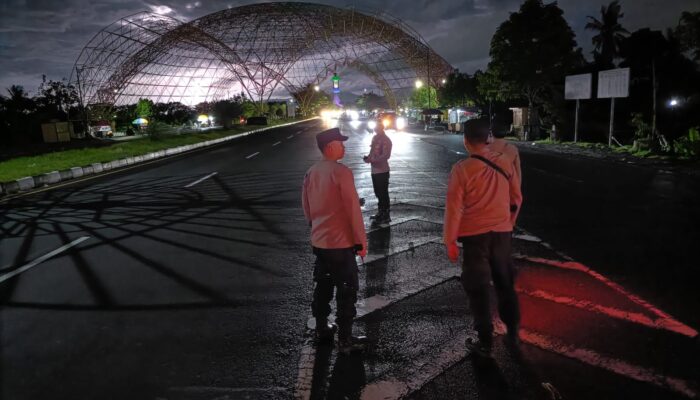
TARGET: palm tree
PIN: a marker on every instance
(610, 33)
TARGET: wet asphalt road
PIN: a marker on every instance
(201, 291)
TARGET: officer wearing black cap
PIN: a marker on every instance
(332, 208)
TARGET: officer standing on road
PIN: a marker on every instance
(378, 157)
(332, 207)
(483, 200)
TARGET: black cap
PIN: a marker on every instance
(477, 130)
(329, 135)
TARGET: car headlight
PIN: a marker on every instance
(386, 122)
(400, 123)
(371, 124)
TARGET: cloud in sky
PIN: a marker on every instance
(46, 36)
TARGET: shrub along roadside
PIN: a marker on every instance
(31, 166)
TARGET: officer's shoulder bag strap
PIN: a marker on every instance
(491, 164)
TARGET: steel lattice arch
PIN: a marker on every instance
(257, 49)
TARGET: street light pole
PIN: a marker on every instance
(428, 80)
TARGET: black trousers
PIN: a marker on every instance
(380, 182)
(336, 269)
(486, 258)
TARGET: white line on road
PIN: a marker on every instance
(276, 143)
(252, 155)
(614, 365)
(201, 179)
(290, 136)
(43, 258)
(664, 320)
(421, 371)
(302, 390)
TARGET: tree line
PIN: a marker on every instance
(535, 49)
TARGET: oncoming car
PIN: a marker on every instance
(390, 121)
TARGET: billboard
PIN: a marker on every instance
(613, 83)
(578, 87)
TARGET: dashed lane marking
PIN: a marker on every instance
(201, 179)
(252, 155)
(276, 143)
(290, 136)
(43, 258)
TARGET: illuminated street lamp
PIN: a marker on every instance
(444, 81)
(316, 88)
(673, 102)
(419, 84)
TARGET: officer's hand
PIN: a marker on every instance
(362, 253)
(453, 252)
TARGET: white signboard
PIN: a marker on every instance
(578, 87)
(613, 83)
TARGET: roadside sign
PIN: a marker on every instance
(613, 83)
(578, 87)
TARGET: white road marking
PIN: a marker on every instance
(424, 370)
(393, 222)
(664, 321)
(527, 238)
(611, 312)
(302, 390)
(43, 258)
(290, 136)
(614, 365)
(276, 143)
(421, 371)
(252, 155)
(400, 249)
(201, 179)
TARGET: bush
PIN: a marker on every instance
(257, 121)
(157, 130)
(642, 130)
(688, 146)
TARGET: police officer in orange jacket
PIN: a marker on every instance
(483, 200)
(332, 207)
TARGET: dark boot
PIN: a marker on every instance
(324, 331)
(513, 336)
(347, 343)
(478, 347)
(352, 344)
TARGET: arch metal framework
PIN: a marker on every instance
(258, 49)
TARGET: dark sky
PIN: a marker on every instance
(46, 36)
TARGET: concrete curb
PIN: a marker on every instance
(29, 183)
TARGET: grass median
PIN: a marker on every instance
(36, 165)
